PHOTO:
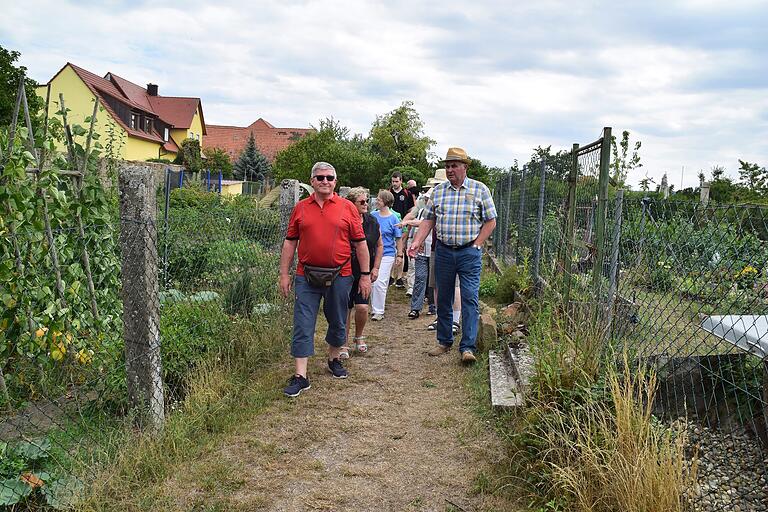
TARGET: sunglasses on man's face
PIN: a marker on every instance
(324, 177)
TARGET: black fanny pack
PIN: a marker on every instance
(322, 277)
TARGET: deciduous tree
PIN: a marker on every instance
(624, 160)
(351, 155)
(189, 155)
(10, 74)
(398, 137)
(216, 159)
(753, 177)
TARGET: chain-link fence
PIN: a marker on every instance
(695, 293)
(684, 289)
(105, 326)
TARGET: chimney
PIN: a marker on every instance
(152, 89)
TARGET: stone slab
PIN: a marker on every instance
(504, 391)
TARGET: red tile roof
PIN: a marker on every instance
(269, 140)
(136, 93)
(175, 111)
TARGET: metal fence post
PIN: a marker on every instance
(570, 225)
(141, 307)
(614, 270)
(520, 216)
(602, 206)
(539, 231)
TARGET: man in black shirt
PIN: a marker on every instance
(404, 201)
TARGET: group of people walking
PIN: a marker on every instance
(348, 256)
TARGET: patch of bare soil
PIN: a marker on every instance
(398, 434)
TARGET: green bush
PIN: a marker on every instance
(190, 332)
(489, 283)
(513, 279)
(209, 236)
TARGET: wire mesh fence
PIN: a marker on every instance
(84, 362)
(684, 289)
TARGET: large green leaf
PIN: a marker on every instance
(12, 491)
(62, 493)
(33, 450)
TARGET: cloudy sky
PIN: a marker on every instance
(687, 78)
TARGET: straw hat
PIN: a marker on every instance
(439, 178)
(456, 155)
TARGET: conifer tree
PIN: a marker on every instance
(252, 165)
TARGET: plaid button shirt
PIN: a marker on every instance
(459, 213)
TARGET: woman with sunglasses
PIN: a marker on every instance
(392, 238)
(357, 302)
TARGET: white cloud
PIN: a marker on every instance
(496, 77)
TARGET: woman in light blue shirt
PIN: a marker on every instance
(391, 237)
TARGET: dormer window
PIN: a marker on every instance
(135, 121)
(165, 135)
(148, 124)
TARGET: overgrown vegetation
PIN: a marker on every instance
(241, 371)
(586, 439)
(54, 328)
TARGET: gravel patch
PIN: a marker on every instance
(732, 471)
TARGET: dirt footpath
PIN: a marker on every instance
(398, 434)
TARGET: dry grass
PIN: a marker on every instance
(612, 455)
(213, 407)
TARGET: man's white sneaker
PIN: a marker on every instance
(377, 316)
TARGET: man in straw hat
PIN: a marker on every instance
(464, 216)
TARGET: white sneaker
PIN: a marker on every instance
(409, 293)
(377, 316)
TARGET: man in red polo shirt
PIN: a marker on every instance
(323, 226)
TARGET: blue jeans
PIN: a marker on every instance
(306, 306)
(421, 274)
(466, 263)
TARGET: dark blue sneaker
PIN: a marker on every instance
(337, 369)
(297, 385)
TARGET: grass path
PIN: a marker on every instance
(398, 434)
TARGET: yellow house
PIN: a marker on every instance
(147, 125)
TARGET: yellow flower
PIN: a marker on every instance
(748, 271)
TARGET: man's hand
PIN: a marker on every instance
(374, 275)
(414, 249)
(284, 283)
(365, 286)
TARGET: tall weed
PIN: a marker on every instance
(607, 455)
(586, 440)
